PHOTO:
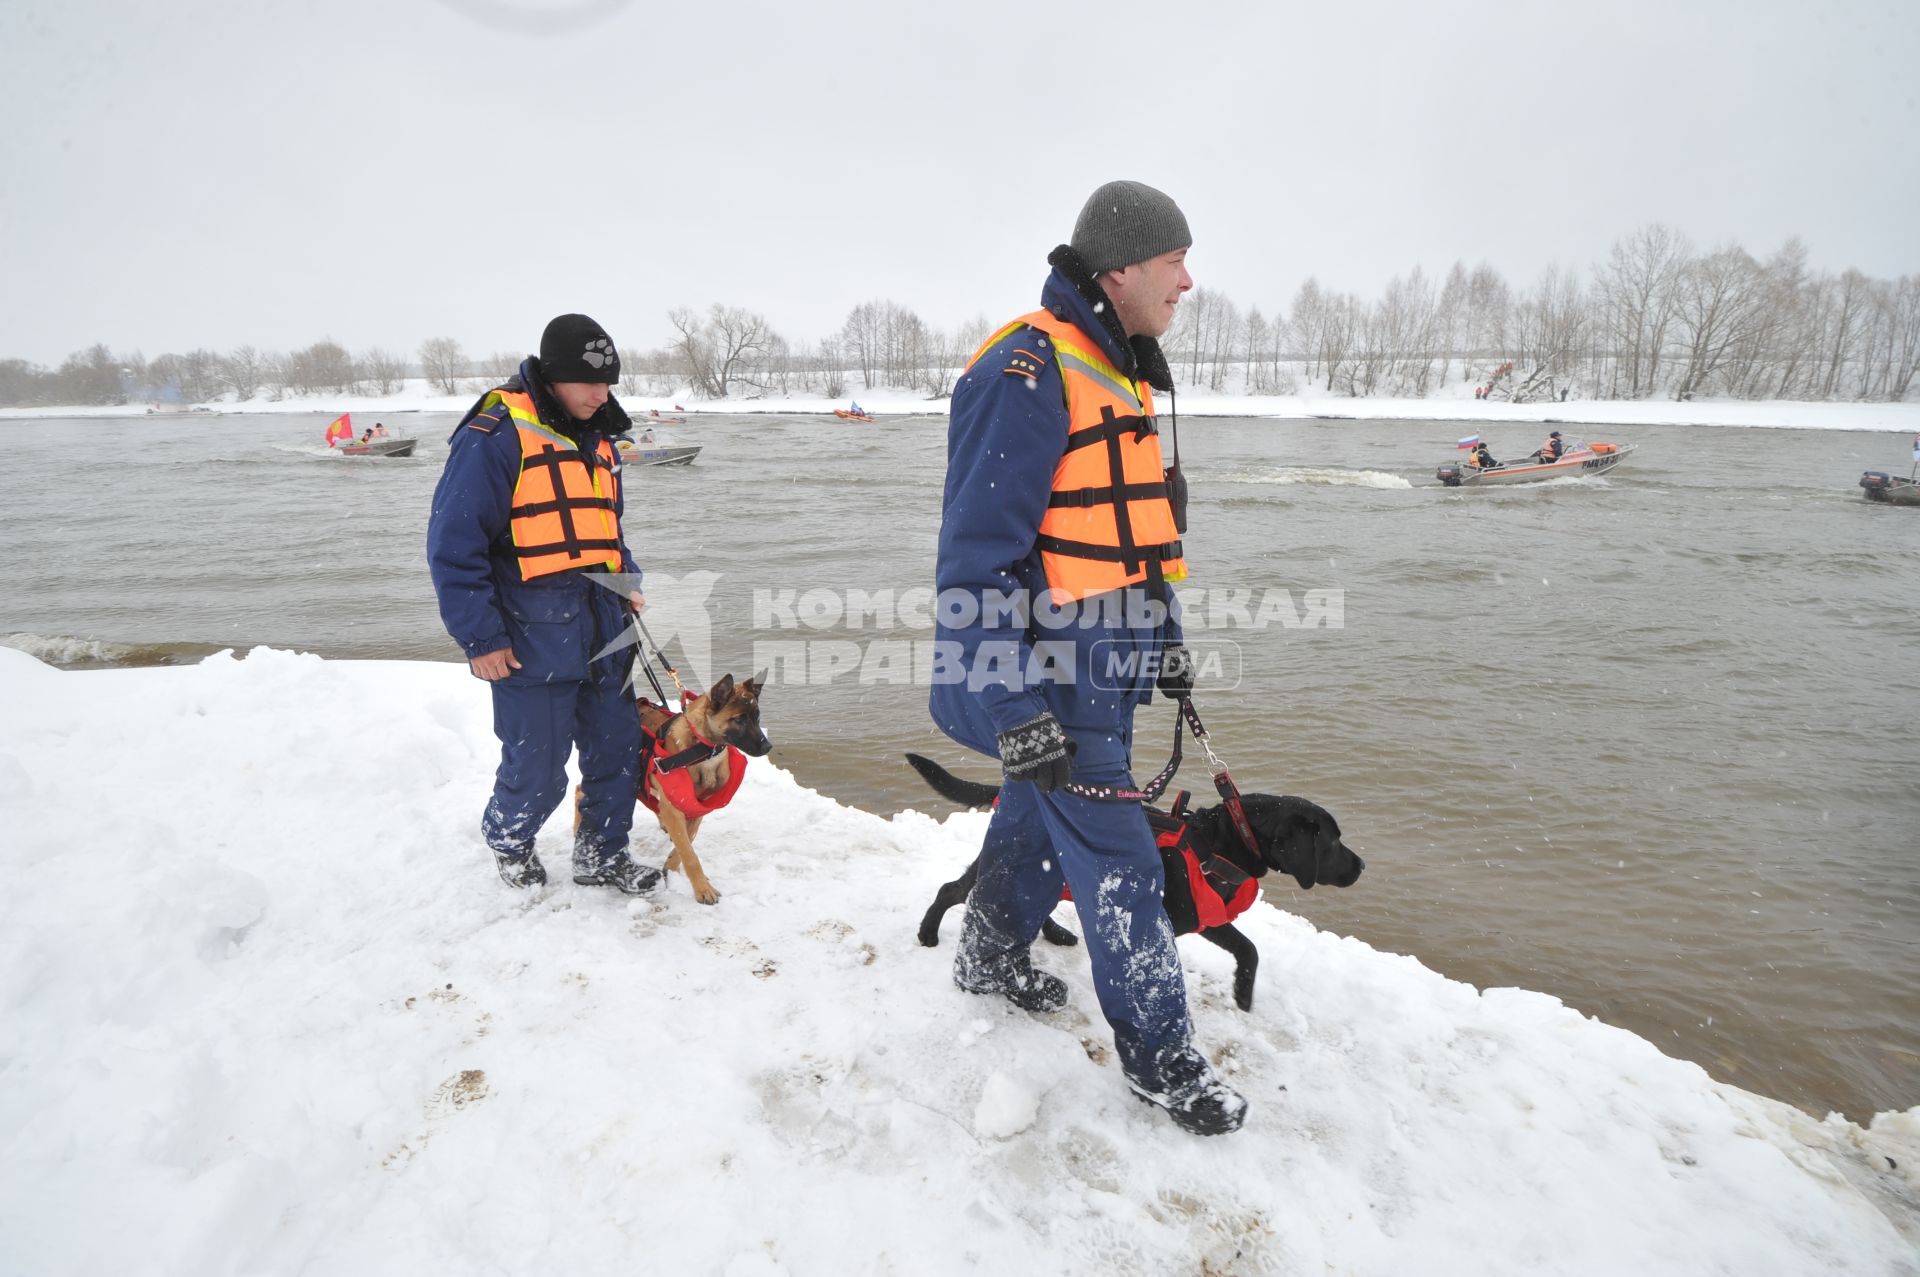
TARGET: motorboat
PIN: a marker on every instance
(378, 448)
(1580, 459)
(653, 454)
(846, 415)
(1881, 486)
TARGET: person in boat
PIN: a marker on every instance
(646, 436)
(527, 515)
(379, 431)
(1551, 450)
(1028, 517)
(366, 436)
(1480, 456)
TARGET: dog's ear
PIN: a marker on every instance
(1302, 853)
(754, 684)
(720, 693)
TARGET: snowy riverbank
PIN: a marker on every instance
(1793, 414)
(269, 1009)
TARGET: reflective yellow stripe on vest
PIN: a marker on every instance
(1109, 522)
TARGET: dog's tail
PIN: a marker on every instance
(968, 793)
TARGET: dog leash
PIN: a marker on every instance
(1222, 778)
(647, 644)
(1151, 791)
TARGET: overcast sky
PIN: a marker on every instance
(213, 172)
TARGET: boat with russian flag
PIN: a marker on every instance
(1577, 459)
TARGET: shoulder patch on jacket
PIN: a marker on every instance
(1023, 362)
(485, 422)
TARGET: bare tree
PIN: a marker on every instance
(243, 370)
(1844, 318)
(1637, 296)
(1721, 295)
(1338, 334)
(322, 368)
(442, 362)
(1549, 335)
(860, 339)
(384, 370)
(1305, 326)
(827, 365)
(1904, 337)
(741, 340)
(695, 352)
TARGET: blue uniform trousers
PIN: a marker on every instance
(1105, 851)
(538, 724)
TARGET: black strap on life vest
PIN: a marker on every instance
(1129, 554)
(575, 546)
(698, 752)
(1111, 427)
(1077, 497)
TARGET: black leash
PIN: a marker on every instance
(702, 749)
(645, 642)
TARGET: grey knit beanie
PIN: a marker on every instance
(1128, 222)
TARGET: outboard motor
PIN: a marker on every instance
(1874, 481)
(1450, 475)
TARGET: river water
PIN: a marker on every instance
(1645, 742)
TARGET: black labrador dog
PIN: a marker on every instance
(1296, 837)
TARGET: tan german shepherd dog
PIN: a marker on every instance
(727, 716)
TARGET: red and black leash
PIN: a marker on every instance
(1151, 791)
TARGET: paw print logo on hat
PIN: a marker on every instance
(599, 353)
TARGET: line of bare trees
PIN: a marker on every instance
(1656, 318)
(99, 375)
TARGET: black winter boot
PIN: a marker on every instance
(1012, 976)
(521, 871)
(592, 869)
(1193, 1094)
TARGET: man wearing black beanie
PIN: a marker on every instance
(526, 517)
(1058, 499)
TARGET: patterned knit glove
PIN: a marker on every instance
(1039, 751)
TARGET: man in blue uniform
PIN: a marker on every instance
(1056, 491)
(526, 516)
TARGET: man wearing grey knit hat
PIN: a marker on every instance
(1059, 543)
(1134, 241)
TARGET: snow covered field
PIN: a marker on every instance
(268, 1009)
(1794, 414)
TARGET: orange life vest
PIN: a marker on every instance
(563, 508)
(1110, 521)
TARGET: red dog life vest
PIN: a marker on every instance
(678, 781)
(1215, 899)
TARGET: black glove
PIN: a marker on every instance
(1176, 673)
(1039, 751)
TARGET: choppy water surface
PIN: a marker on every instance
(1645, 742)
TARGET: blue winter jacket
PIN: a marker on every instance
(554, 623)
(1006, 436)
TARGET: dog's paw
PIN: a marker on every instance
(706, 895)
